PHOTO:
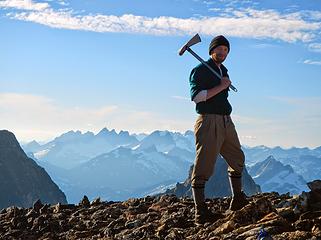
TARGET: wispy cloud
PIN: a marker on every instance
(315, 47)
(249, 23)
(313, 15)
(263, 45)
(24, 5)
(63, 3)
(235, 3)
(311, 62)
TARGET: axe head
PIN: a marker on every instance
(191, 42)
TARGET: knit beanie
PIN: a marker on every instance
(217, 41)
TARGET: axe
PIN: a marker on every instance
(193, 41)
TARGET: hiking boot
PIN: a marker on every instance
(238, 201)
(238, 196)
(204, 215)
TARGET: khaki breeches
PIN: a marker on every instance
(214, 135)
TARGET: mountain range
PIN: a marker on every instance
(74, 148)
(304, 161)
(113, 165)
(120, 165)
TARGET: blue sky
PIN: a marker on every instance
(85, 65)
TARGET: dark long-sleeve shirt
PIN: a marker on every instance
(201, 78)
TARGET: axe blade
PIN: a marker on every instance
(191, 42)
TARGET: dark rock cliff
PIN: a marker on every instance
(22, 181)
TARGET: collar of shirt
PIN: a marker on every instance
(220, 70)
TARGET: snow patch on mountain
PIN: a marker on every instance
(272, 175)
(41, 154)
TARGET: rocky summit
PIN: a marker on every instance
(168, 217)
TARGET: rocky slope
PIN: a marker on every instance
(168, 217)
(22, 181)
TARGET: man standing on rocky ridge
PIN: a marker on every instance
(214, 130)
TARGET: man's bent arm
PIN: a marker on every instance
(203, 95)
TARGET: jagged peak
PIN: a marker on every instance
(34, 142)
(106, 132)
(189, 132)
(271, 161)
(261, 147)
(88, 133)
(160, 133)
(103, 131)
(70, 133)
(278, 148)
(124, 133)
